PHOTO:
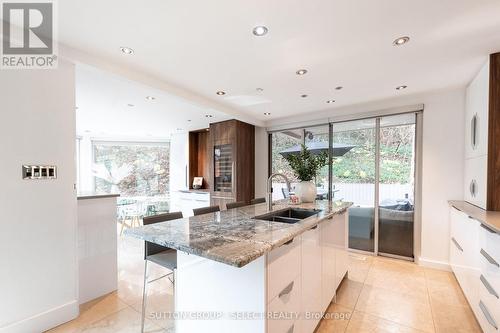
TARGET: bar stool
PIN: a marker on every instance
(206, 210)
(236, 204)
(159, 255)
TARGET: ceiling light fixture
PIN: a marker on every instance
(260, 30)
(208, 116)
(189, 120)
(126, 50)
(339, 88)
(330, 101)
(179, 129)
(401, 41)
(259, 89)
(130, 105)
(303, 96)
(221, 93)
(150, 98)
(401, 87)
(301, 72)
(267, 113)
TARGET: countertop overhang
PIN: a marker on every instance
(93, 195)
(232, 236)
(490, 219)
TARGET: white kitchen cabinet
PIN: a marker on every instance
(340, 240)
(476, 114)
(186, 200)
(475, 260)
(283, 266)
(287, 302)
(475, 184)
(312, 277)
(328, 277)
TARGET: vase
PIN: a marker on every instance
(306, 191)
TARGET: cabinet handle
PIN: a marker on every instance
(472, 187)
(288, 242)
(488, 286)
(473, 132)
(290, 330)
(485, 227)
(456, 244)
(489, 258)
(486, 313)
(287, 290)
(315, 227)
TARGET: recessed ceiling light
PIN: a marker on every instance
(303, 96)
(259, 89)
(220, 93)
(260, 30)
(330, 101)
(339, 88)
(208, 116)
(401, 40)
(401, 87)
(189, 120)
(126, 50)
(301, 72)
(130, 105)
(267, 113)
(150, 98)
(179, 129)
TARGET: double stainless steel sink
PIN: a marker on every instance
(288, 215)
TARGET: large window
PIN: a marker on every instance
(373, 166)
(131, 169)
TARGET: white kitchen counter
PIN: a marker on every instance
(97, 245)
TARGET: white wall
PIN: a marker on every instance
(179, 159)
(442, 160)
(38, 263)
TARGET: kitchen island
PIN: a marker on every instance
(239, 273)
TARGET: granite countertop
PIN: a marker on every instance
(94, 195)
(491, 219)
(232, 236)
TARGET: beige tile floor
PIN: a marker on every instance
(379, 295)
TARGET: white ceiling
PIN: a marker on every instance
(103, 110)
(206, 46)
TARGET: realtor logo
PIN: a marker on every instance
(28, 35)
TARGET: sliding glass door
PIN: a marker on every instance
(377, 175)
(353, 178)
(372, 165)
(396, 190)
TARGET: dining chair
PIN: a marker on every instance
(236, 204)
(206, 210)
(160, 255)
(257, 201)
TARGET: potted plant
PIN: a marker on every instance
(306, 165)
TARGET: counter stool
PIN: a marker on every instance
(206, 210)
(236, 204)
(159, 255)
(257, 201)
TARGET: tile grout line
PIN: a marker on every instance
(429, 299)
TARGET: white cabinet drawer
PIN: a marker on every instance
(283, 266)
(285, 308)
(475, 180)
(490, 256)
(489, 295)
(486, 318)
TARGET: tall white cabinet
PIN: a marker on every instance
(476, 138)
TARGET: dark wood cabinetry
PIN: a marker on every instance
(232, 162)
(199, 157)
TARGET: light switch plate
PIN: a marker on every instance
(39, 171)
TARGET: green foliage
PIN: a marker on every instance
(305, 164)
